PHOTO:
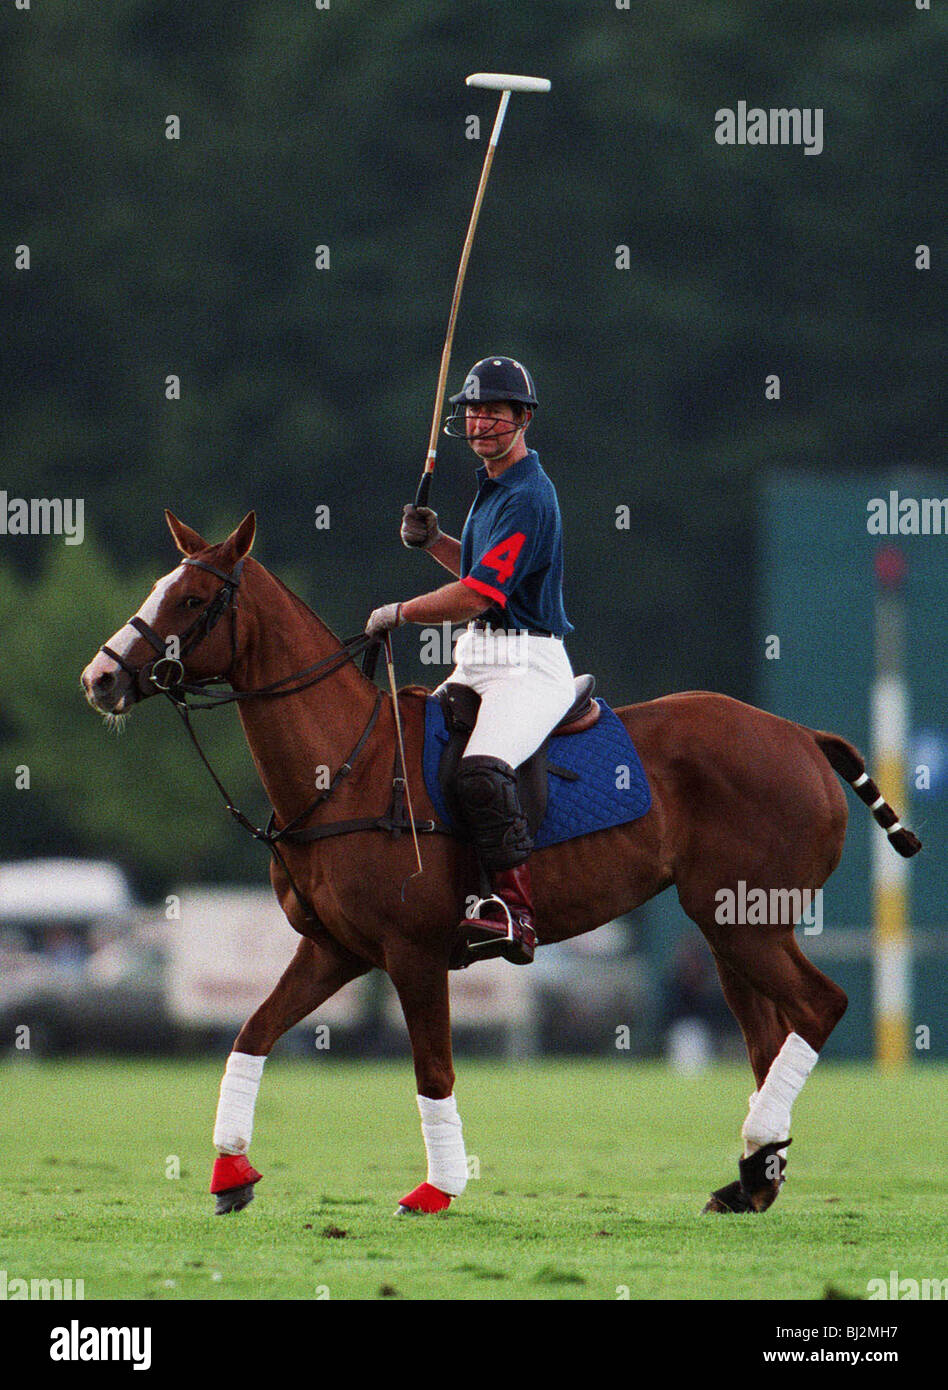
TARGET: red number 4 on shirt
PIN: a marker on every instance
(503, 556)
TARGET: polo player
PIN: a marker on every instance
(509, 563)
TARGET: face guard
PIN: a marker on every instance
(456, 425)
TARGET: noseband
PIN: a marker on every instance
(161, 671)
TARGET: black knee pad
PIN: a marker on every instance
(490, 804)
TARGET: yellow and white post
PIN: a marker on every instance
(891, 941)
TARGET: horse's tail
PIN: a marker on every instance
(851, 766)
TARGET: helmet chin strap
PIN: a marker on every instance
(517, 434)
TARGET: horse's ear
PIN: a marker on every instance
(238, 543)
(187, 541)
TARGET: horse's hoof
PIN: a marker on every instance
(424, 1201)
(758, 1185)
(232, 1182)
(731, 1199)
(762, 1175)
(234, 1199)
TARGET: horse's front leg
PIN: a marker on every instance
(316, 972)
(421, 981)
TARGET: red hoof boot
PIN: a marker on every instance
(503, 925)
(232, 1183)
(424, 1201)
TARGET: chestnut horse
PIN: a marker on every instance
(738, 796)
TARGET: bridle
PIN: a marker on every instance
(174, 685)
(188, 640)
(166, 673)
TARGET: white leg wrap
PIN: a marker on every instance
(768, 1118)
(233, 1128)
(444, 1143)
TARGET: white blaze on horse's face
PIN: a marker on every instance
(107, 687)
(127, 636)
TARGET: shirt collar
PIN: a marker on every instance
(513, 475)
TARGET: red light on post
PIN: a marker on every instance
(890, 567)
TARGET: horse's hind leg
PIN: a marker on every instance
(421, 981)
(763, 1026)
(787, 1010)
(315, 973)
(765, 1029)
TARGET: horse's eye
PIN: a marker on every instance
(192, 601)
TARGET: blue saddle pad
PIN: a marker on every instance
(610, 788)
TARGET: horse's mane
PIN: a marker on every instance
(300, 603)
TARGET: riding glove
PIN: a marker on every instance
(420, 527)
(382, 620)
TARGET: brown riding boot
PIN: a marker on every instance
(503, 924)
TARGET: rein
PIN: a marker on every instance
(177, 690)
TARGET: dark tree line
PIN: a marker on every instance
(305, 387)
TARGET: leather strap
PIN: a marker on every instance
(178, 692)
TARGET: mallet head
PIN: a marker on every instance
(508, 82)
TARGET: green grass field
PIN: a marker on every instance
(592, 1175)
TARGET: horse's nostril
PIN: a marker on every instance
(104, 682)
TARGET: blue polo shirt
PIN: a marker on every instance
(512, 547)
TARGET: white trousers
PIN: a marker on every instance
(526, 686)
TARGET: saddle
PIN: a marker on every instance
(460, 705)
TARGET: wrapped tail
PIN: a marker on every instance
(850, 764)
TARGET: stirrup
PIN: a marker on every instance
(500, 938)
(496, 933)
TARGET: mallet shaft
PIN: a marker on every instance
(390, 665)
(505, 83)
(423, 487)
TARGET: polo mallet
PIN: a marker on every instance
(390, 665)
(505, 83)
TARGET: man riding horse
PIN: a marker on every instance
(509, 562)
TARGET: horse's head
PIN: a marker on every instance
(177, 634)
